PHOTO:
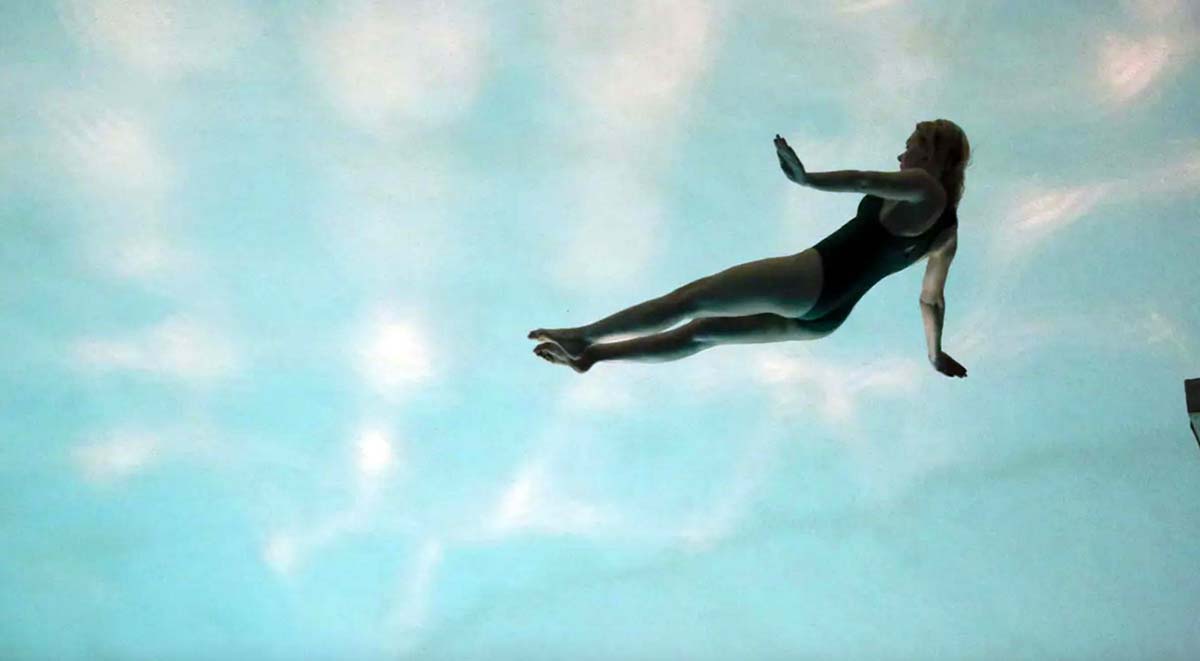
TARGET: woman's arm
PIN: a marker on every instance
(934, 315)
(914, 185)
(837, 181)
(933, 294)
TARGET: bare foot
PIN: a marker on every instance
(571, 343)
(557, 355)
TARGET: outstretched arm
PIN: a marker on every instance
(913, 185)
(905, 185)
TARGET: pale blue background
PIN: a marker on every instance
(268, 270)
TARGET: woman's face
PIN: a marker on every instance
(915, 153)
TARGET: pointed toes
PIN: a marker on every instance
(547, 350)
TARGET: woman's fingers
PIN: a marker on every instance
(787, 158)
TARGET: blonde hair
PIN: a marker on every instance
(953, 150)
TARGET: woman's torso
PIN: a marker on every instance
(912, 229)
(883, 238)
(909, 219)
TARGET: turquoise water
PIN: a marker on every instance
(269, 268)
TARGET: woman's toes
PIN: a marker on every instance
(549, 351)
(553, 353)
(573, 345)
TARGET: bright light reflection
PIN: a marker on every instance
(374, 453)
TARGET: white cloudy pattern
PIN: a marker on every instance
(602, 51)
(163, 39)
(599, 54)
(115, 154)
(389, 64)
(177, 348)
(532, 504)
(377, 460)
(117, 457)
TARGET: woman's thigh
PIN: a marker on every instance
(788, 286)
(753, 329)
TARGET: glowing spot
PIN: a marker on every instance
(374, 453)
(517, 503)
(393, 355)
(280, 554)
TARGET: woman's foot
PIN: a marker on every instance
(556, 354)
(571, 343)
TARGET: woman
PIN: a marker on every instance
(904, 217)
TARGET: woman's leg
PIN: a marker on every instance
(657, 348)
(785, 286)
(691, 338)
(649, 317)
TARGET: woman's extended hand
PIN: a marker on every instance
(792, 167)
(948, 366)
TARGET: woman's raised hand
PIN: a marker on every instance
(789, 162)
